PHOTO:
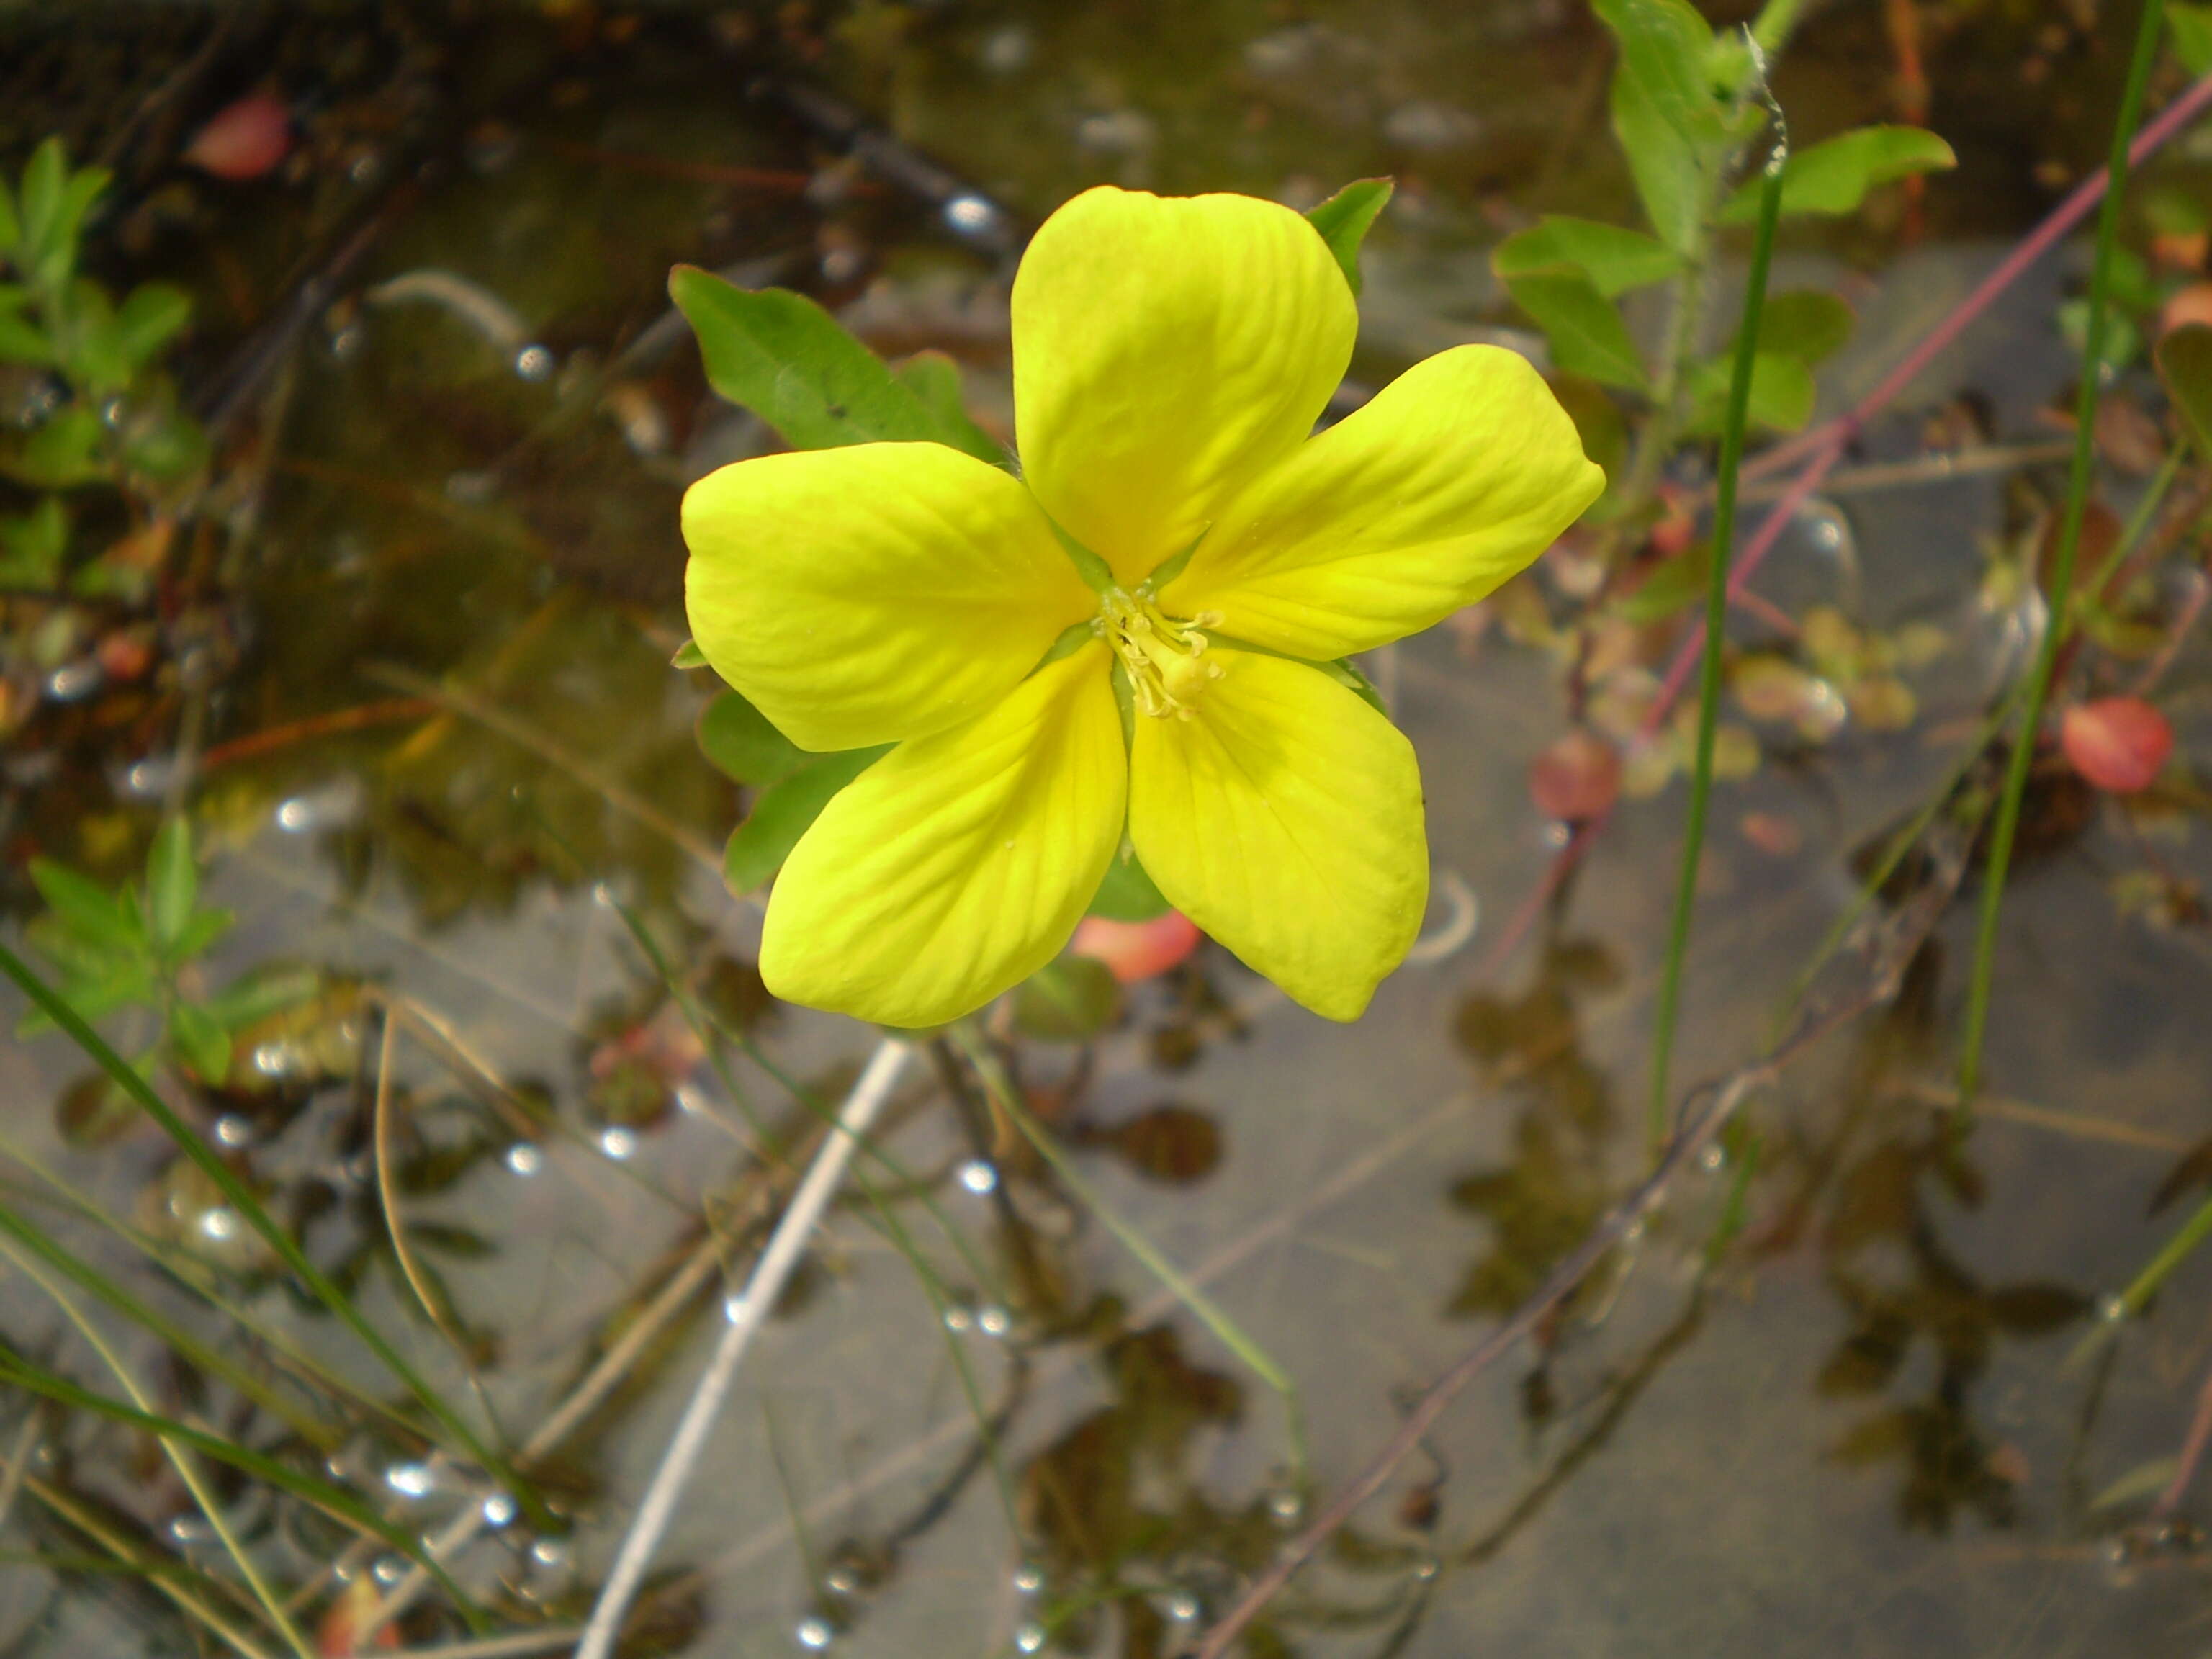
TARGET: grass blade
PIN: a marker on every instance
(2061, 576)
(1709, 678)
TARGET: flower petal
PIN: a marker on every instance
(1284, 818)
(1452, 478)
(861, 595)
(959, 864)
(1166, 350)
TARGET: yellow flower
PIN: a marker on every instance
(1170, 359)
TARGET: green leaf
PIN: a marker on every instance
(782, 815)
(31, 546)
(203, 930)
(1670, 168)
(1586, 333)
(11, 226)
(738, 739)
(43, 178)
(1345, 672)
(934, 378)
(86, 908)
(92, 348)
(172, 882)
(253, 997)
(792, 364)
(153, 315)
(1672, 588)
(1068, 999)
(65, 451)
(1834, 177)
(688, 655)
(2192, 35)
(22, 341)
(2123, 339)
(1614, 258)
(1345, 218)
(165, 444)
(1781, 392)
(1667, 54)
(201, 1039)
(1127, 893)
(2184, 363)
(1806, 323)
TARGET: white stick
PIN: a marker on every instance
(761, 1294)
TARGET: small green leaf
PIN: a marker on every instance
(1128, 894)
(1345, 672)
(154, 315)
(738, 739)
(792, 364)
(2184, 363)
(934, 378)
(43, 178)
(201, 1040)
(93, 347)
(1834, 177)
(31, 546)
(2123, 339)
(1676, 584)
(782, 815)
(22, 341)
(1782, 393)
(253, 997)
(1669, 169)
(166, 443)
(172, 883)
(2192, 35)
(1667, 54)
(203, 930)
(1069, 999)
(1586, 333)
(65, 451)
(1345, 218)
(1805, 322)
(1614, 257)
(688, 655)
(86, 908)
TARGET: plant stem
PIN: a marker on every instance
(2060, 595)
(1716, 587)
(746, 1314)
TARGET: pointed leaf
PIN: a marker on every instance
(201, 1039)
(1586, 333)
(934, 378)
(1805, 322)
(1345, 218)
(738, 739)
(1613, 256)
(782, 815)
(2192, 34)
(154, 315)
(792, 364)
(85, 907)
(1834, 177)
(172, 883)
(1127, 893)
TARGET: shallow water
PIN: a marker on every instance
(1857, 1435)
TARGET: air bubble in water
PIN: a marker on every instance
(534, 363)
(979, 1175)
(411, 1479)
(1029, 1579)
(524, 1159)
(618, 1143)
(814, 1633)
(1029, 1638)
(498, 1510)
(959, 1321)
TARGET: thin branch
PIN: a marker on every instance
(746, 1313)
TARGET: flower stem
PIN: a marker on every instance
(2061, 576)
(1709, 689)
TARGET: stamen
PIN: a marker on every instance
(1164, 656)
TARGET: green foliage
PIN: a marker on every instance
(1613, 258)
(2192, 35)
(782, 814)
(738, 739)
(1834, 177)
(1127, 893)
(1587, 334)
(1345, 219)
(1071, 999)
(2184, 363)
(136, 947)
(796, 367)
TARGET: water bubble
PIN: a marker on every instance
(2112, 1309)
(1029, 1638)
(970, 213)
(995, 1322)
(1711, 1160)
(959, 1321)
(550, 1553)
(1007, 50)
(602, 896)
(411, 1479)
(534, 363)
(524, 1159)
(276, 1059)
(220, 1223)
(111, 413)
(814, 1633)
(691, 1099)
(336, 803)
(367, 168)
(841, 1580)
(1633, 1233)
(498, 1510)
(190, 1529)
(347, 340)
(1286, 1506)
(1556, 834)
(979, 1175)
(738, 1309)
(618, 1143)
(232, 1130)
(1029, 1579)
(1425, 1569)
(73, 682)
(151, 776)
(390, 1569)
(1183, 1607)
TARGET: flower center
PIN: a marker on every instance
(1164, 656)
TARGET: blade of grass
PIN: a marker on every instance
(2116, 1312)
(1708, 675)
(2061, 576)
(1257, 1360)
(324, 1436)
(24, 1375)
(241, 1198)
